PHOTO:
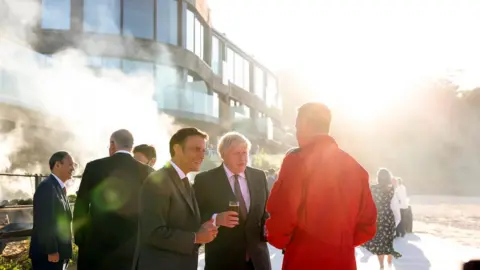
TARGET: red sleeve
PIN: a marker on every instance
(367, 217)
(283, 203)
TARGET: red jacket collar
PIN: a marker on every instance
(320, 140)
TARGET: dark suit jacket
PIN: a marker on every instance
(228, 250)
(52, 219)
(106, 212)
(168, 220)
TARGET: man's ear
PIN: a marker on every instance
(177, 148)
(152, 161)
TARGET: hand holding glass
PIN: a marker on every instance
(234, 206)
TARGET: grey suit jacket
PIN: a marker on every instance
(169, 217)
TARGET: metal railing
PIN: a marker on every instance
(37, 177)
(18, 230)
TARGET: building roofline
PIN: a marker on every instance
(250, 58)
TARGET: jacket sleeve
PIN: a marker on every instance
(44, 208)
(266, 215)
(284, 203)
(367, 218)
(82, 206)
(155, 199)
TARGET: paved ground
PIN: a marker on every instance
(420, 252)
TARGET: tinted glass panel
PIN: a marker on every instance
(259, 83)
(167, 25)
(230, 65)
(138, 18)
(246, 75)
(56, 14)
(215, 55)
(135, 67)
(190, 39)
(102, 16)
(271, 91)
(167, 92)
(238, 70)
(198, 38)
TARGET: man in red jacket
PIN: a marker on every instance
(320, 207)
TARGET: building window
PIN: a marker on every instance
(101, 16)
(216, 61)
(167, 25)
(138, 18)
(238, 71)
(246, 75)
(230, 65)
(167, 91)
(199, 38)
(259, 83)
(56, 14)
(190, 22)
(138, 67)
(272, 91)
(104, 62)
(194, 34)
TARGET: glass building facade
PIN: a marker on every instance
(177, 23)
(55, 14)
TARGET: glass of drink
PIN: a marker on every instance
(234, 206)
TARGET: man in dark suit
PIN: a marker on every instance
(170, 227)
(106, 210)
(146, 154)
(51, 240)
(241, 242)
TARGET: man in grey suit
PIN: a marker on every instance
(170, 229)
(241, 243)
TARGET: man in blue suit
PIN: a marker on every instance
(51, 241)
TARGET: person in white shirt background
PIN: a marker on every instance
(401, 195)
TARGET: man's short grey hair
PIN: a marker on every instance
(122, 138)
(230, 138)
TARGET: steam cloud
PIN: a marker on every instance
(70, 106)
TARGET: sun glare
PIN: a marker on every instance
(362, 93)
(364, 57)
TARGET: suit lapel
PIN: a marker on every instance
(251, 189)
(179, 185)
(63, 197)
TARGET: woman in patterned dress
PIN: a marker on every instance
(382, 243)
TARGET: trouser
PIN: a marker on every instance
(46, 265)
(401, 228)
(409, 220)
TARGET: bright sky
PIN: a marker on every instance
(378, 46)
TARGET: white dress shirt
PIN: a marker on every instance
(395, 206)
(242, 181)
(123, 152)
(62, 185)
(401, 192)
(179, 171)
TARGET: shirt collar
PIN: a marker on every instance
(230, 174)
(123, 152)
(180, 173)
(62, 185)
